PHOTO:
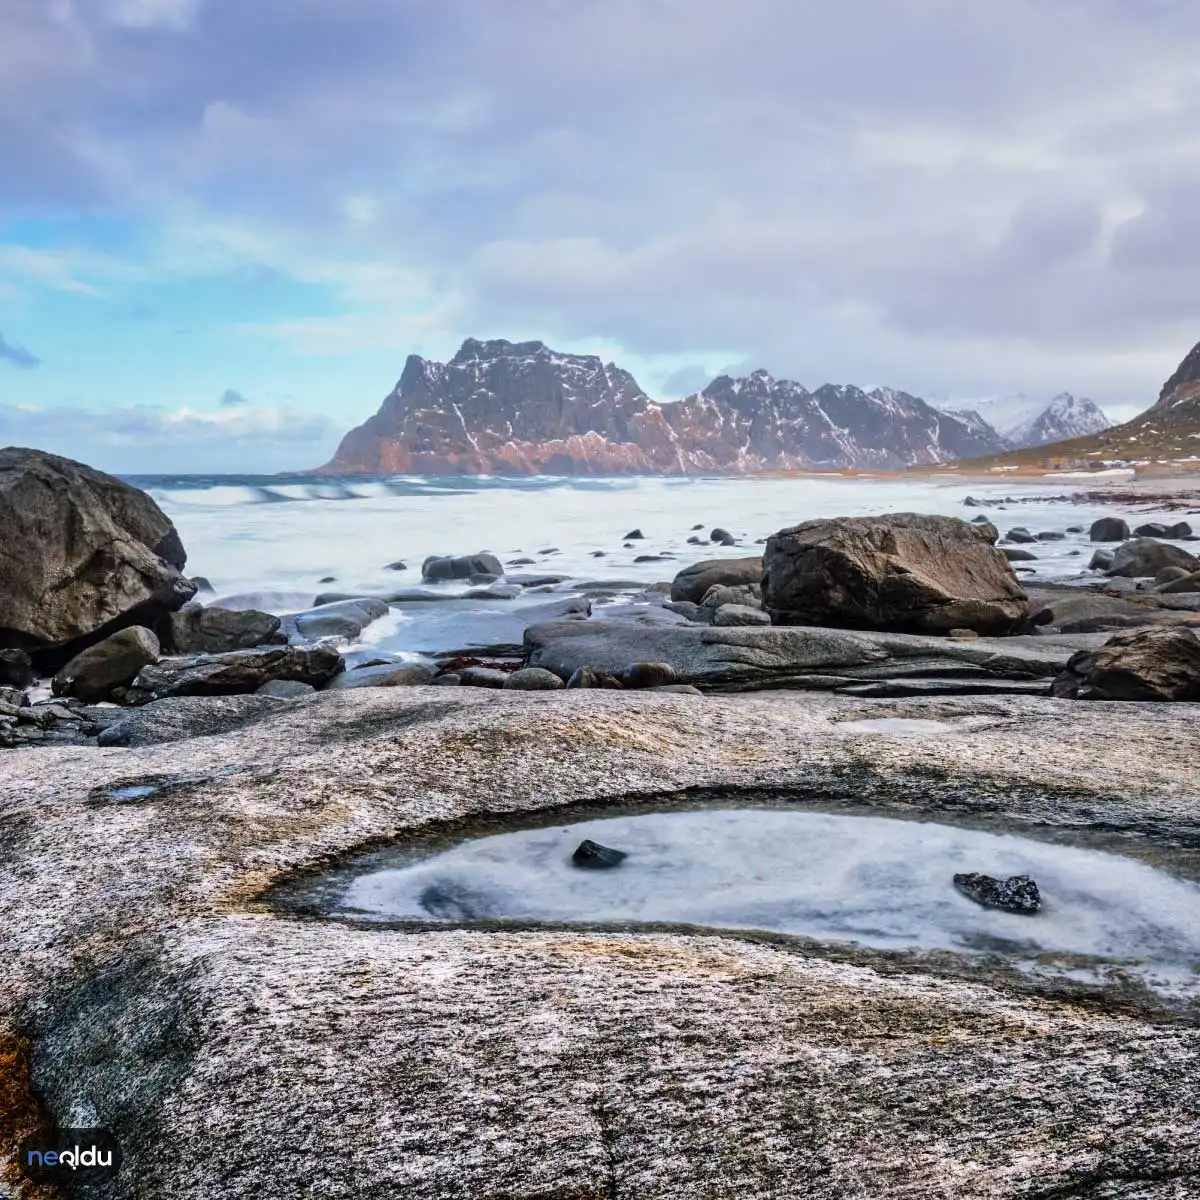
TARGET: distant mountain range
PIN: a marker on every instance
(1022, 422)
(500, 407)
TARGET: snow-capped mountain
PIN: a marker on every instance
(1065, 417)
(521, 408)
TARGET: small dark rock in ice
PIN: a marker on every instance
(1016, 894)
(595, 857)
(653, 558)
(522, 562)
(597, 553)
(1074, 528)
(549, 550)
(1020, 534)
(1051, 535)
(695, 541)
(328, 579)
(720, 535)
(634, 535)
(396, 566)
(697, 527)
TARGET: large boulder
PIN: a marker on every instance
(1142, 664)
(693, 582)
(438, 568)
(82, 554)
(236, 673)
(904, 573)
(93, 673)
(195, 629)
(1145, 557)
(16, 669)
(1109, 529)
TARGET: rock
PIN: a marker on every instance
(1074, 528)
(720, 535)
(645, 558)
(986, 528)
(81, 554)
(633, 536)
(396, 566)
(678, 689)
(537, 581)
(1016, 894)
(647, 675)
(1051, 535)
(449, 679)
(585, 677)
(533, 679)
(13, 697)
(183, 717)
(195, 629)
(697, 526)
(522, 562)
(903, 572)
(598, 554)
(1181, 529)
(1171, 574)
(482, 677)
(399, 674)
(1145, 557)
(1142, 664)
(740, 614)
(16, 669)
(1152, 529)
(285, 689)
(594, 857)
(1020, 534)
(694, 581)
(328, 579)
(344, 619)
(483, 579)
(1180, 583)
(748, 594)
(1109, 529)
(695, 541)
(439, 568)
(202, 585)
(963, 635)
(550, 550)
(496, 591)
(1013, 554)
(1101, 560)
(691, 611)
(93, 673)
(234, 673)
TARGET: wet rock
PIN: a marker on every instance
(634, 535)
(1014, 554)
(720, 535)
(203, 587)
(1109, 529)
(1051, 535)
(963, 635)
(695, 541)
(533, 679)
(1181, 529)
(195, 629)
(532, 581)
(522, 562)
(16, 669)
(550, 550)
(1170, 575)
(343, 619)
(482, 677)
(740, 614)
(747, 594)
(93, 673)
(1016, 894)
(1020, 534)
(449, 679)
(1152, 529)
(645, 558)
(483, 579)
(1143, 664)
(385, 675)
(690, 611)
(1074, 528)
(496, 591)
(328, 579)
(904, 572)
(440, 568)
(647, 675)
(1179, 584)
(1101, 560)
(700, 526)
(694, 581)
(13, 697)
(235, 673)
(285, 689)
(81, 554)
(1145, 557)
(594, 857)
(396, 566)
(585, 677)
(988, 530)
(598, 554)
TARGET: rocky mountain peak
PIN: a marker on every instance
(1184, 384)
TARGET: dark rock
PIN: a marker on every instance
(1145, 557)
(594, 857)
(634, 535)
(1016, 894)
(987, 529)
(202, 585)
(740, 614)
(1181, 529)
(235, 673)
(971, 502)
(482, 677)
(198, 630)
(1013, 554)
(522, 562)
(1180, 584)
(1020, 534)
(1074, 528)
(1109, 529)
(495, 591)
(386, 675)
(695, 541)
(694, 527)
(438, 569)
(645, 558)
(1143, 664)
(902, 572)
(694, 581)
(1101, 560)
(585, 677)
(396, 566)
(342, 619)
(93, 673)
(285, 689)
(647, 675)
(598, 554)
(550, 550)
(16, 669)
(720, 535)
(449, 679)
(1152, 529)
(1051, 535)
(82, 554)
(533, 679)
(1171, 574)
(691, 611)
(980, 519)
(13, 697)
(328, 579)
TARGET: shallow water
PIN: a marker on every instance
(876, 881)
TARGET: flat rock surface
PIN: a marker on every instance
(157, 993)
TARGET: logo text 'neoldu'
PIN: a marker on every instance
(81, 1155)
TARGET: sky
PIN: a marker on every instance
(224, 224)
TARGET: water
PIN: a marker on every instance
(270, 540)
(877, 881)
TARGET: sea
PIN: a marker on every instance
(278, 542)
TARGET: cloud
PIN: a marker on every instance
(232, 399)
(18, 356)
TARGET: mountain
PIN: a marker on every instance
(500, 407)
(1065, 417)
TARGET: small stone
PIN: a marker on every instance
(594, 857)
(1016, 894)
(285, 689)
(450, 679)
(634, 535)
(694, 541)
(396, 566)
(328, 579)
(597, 553)
(720, 535)
(1051, 535)
(963, 635)
(1020, 534)
(740, 614)
(482, 677)
(587, 677)
(647, 675)
(695, 527)
(533, 679)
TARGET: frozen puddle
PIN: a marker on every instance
(877, 881)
